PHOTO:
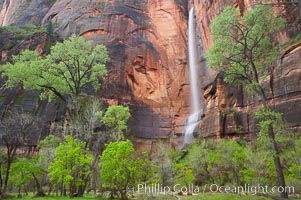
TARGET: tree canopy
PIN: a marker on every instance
(116, 117)
(71, 166)
(70, 68)
(120, 167)
(243, 47)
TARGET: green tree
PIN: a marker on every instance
(219, 162)
(71, 166)
(183, 174)
(47, 148)
(25, 170)
(295, 167)
(244, 51)
(258, 165)
(71, 67)
(164, 162)
(116, 118)
(120, 167)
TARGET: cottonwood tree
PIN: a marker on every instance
(16, 130)
(25, 170)
(69, 69)
(162, 159)
(46, 154)
(116, 118)
(70, 169)
(69, 72)
(120, 167)
(83, 121)
(244, 50)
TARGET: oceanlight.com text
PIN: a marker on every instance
(250, 189)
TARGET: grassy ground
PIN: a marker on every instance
(224, 197)
(207, 196)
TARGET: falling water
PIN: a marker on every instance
(195, 111)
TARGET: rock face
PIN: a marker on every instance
(21, 12)
(148, 72)
(49, 112)
(229, 110)
(147, 43)
(207, 10)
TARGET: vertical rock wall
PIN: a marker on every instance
(147, 43)
(230, 110)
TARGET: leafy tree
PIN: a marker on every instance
(219, 162)
(70, 68)
(244, 50)
(71, 166)
(295, 168)
(47, 148)
(164, 161)
(15, 131)
(86, 115)
(183, 174)
(83, 124)
(198, 157)
(25, 170)
(120, 167)
(258, 166)
(116, 118)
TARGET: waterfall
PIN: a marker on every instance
(195, 110)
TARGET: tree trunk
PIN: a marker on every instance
(6, 176)
(40, 192)
(50, 190)
(123, 195)
(9, 162)
(277, 163)
(1, 180)
(82, 188)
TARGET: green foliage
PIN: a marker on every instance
(259, 166)
(120, 167)
(116, 117)
(86, 114)
(164, 160)
(47, 150)
(228, 162)
(218, 162)
(267, 118)
(24, 31)
(51, 141)
(72, 66)
(71, 164)
(25, 170)
(223, 196)
(243, 47)
(50, 29)
(183, 174)
(295, 168)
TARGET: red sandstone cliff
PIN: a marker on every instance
(230, 110)
(147, 44)
(148, 72)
